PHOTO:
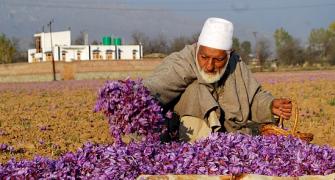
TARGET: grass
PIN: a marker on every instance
(331, 102)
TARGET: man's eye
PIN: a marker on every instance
(221, 59)
(204, 57)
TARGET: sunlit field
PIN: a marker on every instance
(314, 93)
(51, 118)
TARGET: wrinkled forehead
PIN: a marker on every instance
(208, 51)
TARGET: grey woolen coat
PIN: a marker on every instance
(237, 98)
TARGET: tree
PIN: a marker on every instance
(282, 37)
(159, 44)
(236, 44)
(320, 42)
(194, 38)
(288, 49)
(32, 43)
(7, 49)
(179, 43)
(95, 42)
(331, 52)
(331, 27)
(245, 50)
(79, 40)
(263, 50)
(139, 38)
(284, 44)
(19, 55)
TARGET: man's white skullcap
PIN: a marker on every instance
(217, 33)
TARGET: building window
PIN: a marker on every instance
(109, 54)
(63, 55)
(96, 55)
(78, 55)
(134, 53)
(48, 56)
(33, 57)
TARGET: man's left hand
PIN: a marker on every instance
(282, 107)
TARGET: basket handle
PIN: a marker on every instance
(294, 130)
(296, 117)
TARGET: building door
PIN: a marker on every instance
(48, 56)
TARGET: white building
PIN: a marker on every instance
(59, 45)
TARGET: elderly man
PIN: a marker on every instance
(211, 89)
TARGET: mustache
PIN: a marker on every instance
(210, 77)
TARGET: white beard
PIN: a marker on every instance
(210, 78)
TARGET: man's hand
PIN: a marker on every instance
(282, 107)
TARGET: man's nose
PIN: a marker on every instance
(210, 65)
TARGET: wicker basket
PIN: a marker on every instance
(271, 129)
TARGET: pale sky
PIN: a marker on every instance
(23, 18)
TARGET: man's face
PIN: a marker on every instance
(211, 63)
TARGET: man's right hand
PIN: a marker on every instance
(282, 107)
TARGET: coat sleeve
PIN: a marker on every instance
(171, 77)
(261, 100)
(261, 107)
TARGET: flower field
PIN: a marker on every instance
(49, 119)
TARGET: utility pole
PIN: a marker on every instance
(52, 51)
(256, 45)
